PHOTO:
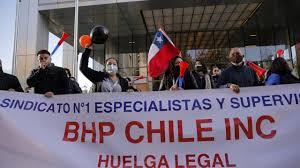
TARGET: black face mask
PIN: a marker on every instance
(177, 69)
(200, 69)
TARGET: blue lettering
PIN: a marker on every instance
(117, 105)
(50, 108)
(161, 106)
(152, 106)
(5, 103)
(60, 104)
(265, 100)
(135, 106)
(288, 99)
(221, 102)
(277, 98)
(40, 109)
(98, 107)
(255, 100)
(196, 104)
(244, 103)
(108, 107)
(176, 103)
(66, 108)
(12, 104)
(127, 106)
(20, 105)
(235, 103)
(207, 104)
(28, 105)
(186, 103)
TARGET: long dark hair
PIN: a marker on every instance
(280, 66)
(171, 71)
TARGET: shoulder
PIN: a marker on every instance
(57, 69)
(122, 79)
(9, 75)
(274, 76)
(227, 70)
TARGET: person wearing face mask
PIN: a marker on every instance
(48, 79)
(238, 74)
(215, 74)
(201, 77)
(108, 81)
(170, 77)
(9, 82)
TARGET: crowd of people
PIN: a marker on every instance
(50, 80)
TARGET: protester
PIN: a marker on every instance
(215, 74)
(238, 74)
(73, 85)
(108, 81)
(9, 82)
(48, 79)
(280, 73)
(201, 77)
(170, 77)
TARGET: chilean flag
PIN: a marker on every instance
(161, 51)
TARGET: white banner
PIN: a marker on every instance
(258, 128)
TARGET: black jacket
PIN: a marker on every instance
(188, 82)
(243, 75)
(51, 79)
(8, 81)
(97, 76)
(74, 87)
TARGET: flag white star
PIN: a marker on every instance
(159, 39)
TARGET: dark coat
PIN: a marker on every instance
(8, 81)
(74, 87)
(280, 78)
(188, 82)
(51, 79)
(243, 75)
(97, 76)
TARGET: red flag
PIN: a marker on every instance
(183, 66)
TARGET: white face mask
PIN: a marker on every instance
(111, 69)
(238, 64)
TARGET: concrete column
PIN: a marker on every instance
(68, 57)
(32, 35)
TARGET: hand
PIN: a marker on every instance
(11, 89)
(49, 94)
(174, 87)
(89, 46)
(234, 88)
(27, 89)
